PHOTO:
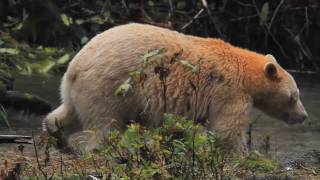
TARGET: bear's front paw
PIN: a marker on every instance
(51, 126)
(55, 129)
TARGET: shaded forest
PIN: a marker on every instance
(286, 28)
(42, 36)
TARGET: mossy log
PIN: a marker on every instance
(24, 101)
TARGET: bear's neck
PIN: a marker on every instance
(243, 68)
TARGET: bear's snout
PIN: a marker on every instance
(298, 115)
(297, 118)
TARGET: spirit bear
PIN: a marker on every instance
(231, 82)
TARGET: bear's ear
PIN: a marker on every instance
(270, 70)
(270, 57)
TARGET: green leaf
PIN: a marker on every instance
(124, 88)
(66, 19)
(181, 5)
(49, 50)
(64, 59)
(169, 120)
(97, 19)
(200, 140)
(264, 13)
(1, 42)
(31, 55)
(135, 74)
(157, 52)
(84, 39)
(44, 66)
(18, 27)
(150, 3)
(79, 21)
(3, 116)
(189, 66)
(9, 51)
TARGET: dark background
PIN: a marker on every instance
(288, 29)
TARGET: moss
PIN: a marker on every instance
(257, 163)
(25, 59)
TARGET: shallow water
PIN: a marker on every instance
(287, 143)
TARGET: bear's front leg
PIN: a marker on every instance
(235, 141)
(230, 120)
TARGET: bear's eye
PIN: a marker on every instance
(293, 99)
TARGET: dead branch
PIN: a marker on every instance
(275, 13)
(194, 18)
(15, 139)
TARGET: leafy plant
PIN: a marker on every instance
(164, 152)
(24, 59)
(4, 117)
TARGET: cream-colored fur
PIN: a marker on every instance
(232, 81)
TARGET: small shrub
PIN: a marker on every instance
(164, 152)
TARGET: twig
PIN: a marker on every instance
(249, 142)
(195, 116)
(307, 19)
(301, 72)
(269, 32)
(145, 14)
(171, 8)
(193, 153)
(105, 4)
(205, 4)
(194, 18)
(303, 48)
(37, 157)
(275, 13)
(244, 18)
(242, 3)
(61, 164)
(124, 4)
(164, 84)
(303, 7)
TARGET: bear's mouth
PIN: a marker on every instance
(296, 120)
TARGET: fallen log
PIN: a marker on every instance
(15, 139)
(24, 101)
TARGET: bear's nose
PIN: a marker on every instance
(301, 118)
(304, 116)
(297, 118)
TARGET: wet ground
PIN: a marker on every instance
(298, 143)
(288, 144)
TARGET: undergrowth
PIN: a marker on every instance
(142, 153)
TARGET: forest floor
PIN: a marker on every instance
(26, 162)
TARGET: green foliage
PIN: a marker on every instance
(189, 66)
(124, 88)
(10, 51)
(157, 53)
(256, 162)
(164, 153)
(24, 59)
(66, 19)
(71, 23)
(264, 13)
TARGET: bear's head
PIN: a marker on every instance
(279, 96)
